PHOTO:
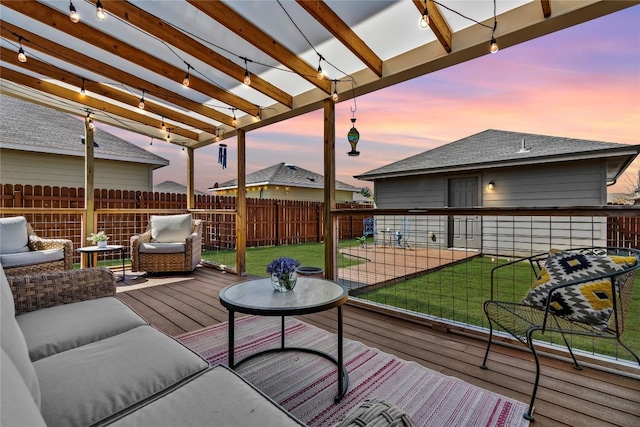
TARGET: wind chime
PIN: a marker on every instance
(222, 155)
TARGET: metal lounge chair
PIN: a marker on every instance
(585, 291)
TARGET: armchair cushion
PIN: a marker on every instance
(162, 248)
(18, 407)
(13, 235)
(20, 259)
(589, 301)
(170, 228)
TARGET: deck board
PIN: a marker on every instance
(566, 396)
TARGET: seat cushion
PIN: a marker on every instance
(588, 302)
(13, 235)
(13, 343)
(87, 384)
(162, 248)
(53, 330)
(17, 408)
(219, 397)
(170, 228)
(32, 257)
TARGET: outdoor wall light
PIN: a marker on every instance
(491, 185)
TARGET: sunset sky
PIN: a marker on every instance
(582, 82)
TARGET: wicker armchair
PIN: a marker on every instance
(154, 254)
(33, 292)
(19, 244)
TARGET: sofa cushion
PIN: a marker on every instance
(72, 325)
(588, 302)
(162, 248)
(170, 228)
(13, 343)
(87, 384)
(17, 406)
(20, 259)
(13, 235)
(219, 397)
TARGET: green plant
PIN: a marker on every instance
(361, 240)
(98, 237)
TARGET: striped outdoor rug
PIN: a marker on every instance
(305, 384)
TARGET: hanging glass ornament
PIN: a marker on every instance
(353, 137)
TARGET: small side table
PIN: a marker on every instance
(91, 251)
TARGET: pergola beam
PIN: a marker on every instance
(89, 102)
(546, 8)
(245, 29)
(437, 23)
(340, 30)
(159, 28)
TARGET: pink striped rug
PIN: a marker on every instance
(305, 384)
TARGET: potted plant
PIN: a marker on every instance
(100, 238)
(283, 273)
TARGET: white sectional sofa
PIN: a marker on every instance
(92, 361)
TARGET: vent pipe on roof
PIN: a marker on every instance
(524, 149)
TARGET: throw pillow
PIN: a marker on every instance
(588, 302)
(170, 228)
(13, 235)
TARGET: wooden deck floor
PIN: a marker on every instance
(183, 303)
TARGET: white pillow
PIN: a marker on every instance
(171, 228)
(13, 235)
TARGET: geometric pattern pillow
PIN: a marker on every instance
(587, 302)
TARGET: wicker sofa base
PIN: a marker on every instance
(35, 269)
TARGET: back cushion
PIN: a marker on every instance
(13, 343)
(171, 228)
(5, 292)
(18, 407)
(588, 302)
(13, 235)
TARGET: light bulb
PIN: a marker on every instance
(234, 122)
(169, 137)
(185, 81)
(335, 96)
(73, 14)
(424, 19)
(494, 46)
(163, 126)
(320, 73)
(247, 78)
(217, 138)
(100, 12)
(21, 56)
(91, 125)
(141, 104)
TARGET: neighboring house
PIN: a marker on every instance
(173, 187)
(285, 181)
(500, 169)
(43, 146)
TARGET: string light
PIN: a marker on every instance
(141, 103)
(493, 47)
(320, 73)
(101, 14)
(247, 77)
(90, 120)
(168, 135)
(73, 14)
(234, 122)
(163, 126)
(258, 115)
(151, 143)
(82, 91)
(335, 96)
(217, 135)
(21, 56)
(424, 19)
(185, 81)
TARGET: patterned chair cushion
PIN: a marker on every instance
(588, 302)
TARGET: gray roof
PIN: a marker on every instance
(285, 174)
(174, 187)
(497, 148)
(27, 126)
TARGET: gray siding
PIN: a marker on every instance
(411, 192)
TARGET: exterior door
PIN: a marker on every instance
(464, 231)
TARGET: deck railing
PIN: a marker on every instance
(436, 264)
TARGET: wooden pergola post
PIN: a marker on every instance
(89, 225)
(190, 179)
(330, 248)
(241, 206)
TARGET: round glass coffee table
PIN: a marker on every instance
(309, 296)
